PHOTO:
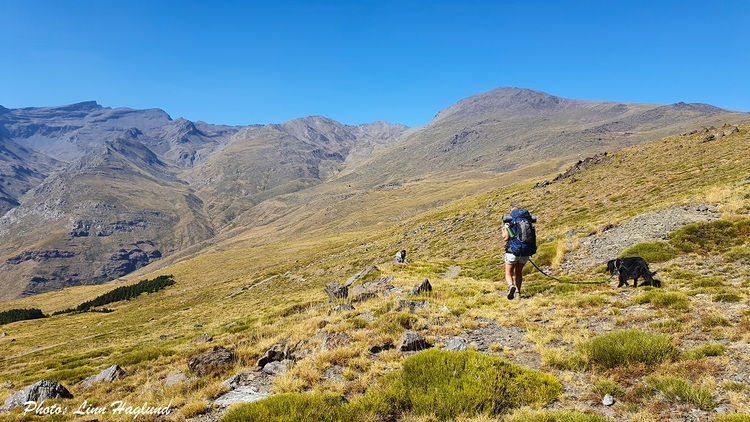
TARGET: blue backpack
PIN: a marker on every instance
(523, 235)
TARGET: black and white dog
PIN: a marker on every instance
(632, 267)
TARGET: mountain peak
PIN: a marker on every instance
(500, 100)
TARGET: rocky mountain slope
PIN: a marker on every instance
(118, 189)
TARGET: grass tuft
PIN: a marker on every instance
(659, 298)
(623, 348)
(651, 251)
(677, 389)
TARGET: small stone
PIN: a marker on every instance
(608, 400)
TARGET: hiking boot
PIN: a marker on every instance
(511, 292)
(518, 294)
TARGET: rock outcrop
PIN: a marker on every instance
(42, 390)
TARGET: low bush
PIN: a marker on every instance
(715, 321)
(527, 415)
(726, 297)
(289, 407)
(606, 386)
(706, 350)
(678, 389)
(448, 384)
(674, 300)
(651, 251)
(712, 237)
(713, 281)
(732, 418)
(623, 348)
(737, 253)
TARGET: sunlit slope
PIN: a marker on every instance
(247, 291)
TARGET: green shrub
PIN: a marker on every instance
(677, 389)
(560, 359)
(358, 323)
(448, 384)
(734, 386)
(713, 237)
(289, 407)
(737, 253)
(715, 321)
(606, 386)
(732, 418)
(674, 300)
(396, 322)
(713, 281)
(595, 300)
(706, 350)
(726, 297)
(651, 251)
(666, 326)
(623, 348)
(680, 274)
(528, 415)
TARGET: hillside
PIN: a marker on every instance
(118, 189)
(262, 290)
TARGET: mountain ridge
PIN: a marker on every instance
(226, 179)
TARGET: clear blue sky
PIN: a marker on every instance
(358, 61)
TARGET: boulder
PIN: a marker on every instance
(412, 305)
(731, 131)
(203, 338)
(277, 367)
(110, 374)
(344, 307)
(273, 355)
(42, 390)
(355, 277)
(423, 287)
(336, 291)
(241, 394)
(457, 344)
(412, 341)
(381, 347)
(175, 377)
(210, 361)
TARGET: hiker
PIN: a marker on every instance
(401, 256)
(520, 243)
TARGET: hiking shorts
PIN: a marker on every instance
(512, 259)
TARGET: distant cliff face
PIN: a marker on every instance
(89, 193)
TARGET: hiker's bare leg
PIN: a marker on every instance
(509, 271)
(519, 275)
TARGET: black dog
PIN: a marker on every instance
(632, 267)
